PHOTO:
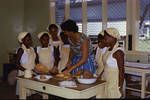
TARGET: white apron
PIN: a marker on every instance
(28, 62)
(46, 56)
(111, 72)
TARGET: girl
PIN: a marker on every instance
(56, 43)
(45, 53)
(114, 64)
(81, 53)
(65, 49)
(25, 55)
(100, 51)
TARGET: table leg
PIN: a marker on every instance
(22, 91)
(143, 86)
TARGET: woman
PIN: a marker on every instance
(114, 64)
(81, 57)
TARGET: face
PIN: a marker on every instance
(44, 40)
(27, 40)
(53, 31)
(108, 39)
(69, 34)
(101, 43)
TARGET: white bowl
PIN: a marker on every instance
(87, 81)
(47, 77)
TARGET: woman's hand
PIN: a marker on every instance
(68, 70)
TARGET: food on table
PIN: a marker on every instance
(84, 74)
(42, 77)
(60, 75)
(78, 74)
(68, 84)
(41, 68)
(65, 76)
(87, 74)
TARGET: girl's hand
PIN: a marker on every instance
(54, 70)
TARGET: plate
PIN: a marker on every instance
(67, 84)
(46, 77)
(86, 81)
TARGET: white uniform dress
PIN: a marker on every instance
(61, 50)
(65, 51)
(46, 57)
(98, 57)
(27, 61)
(111, 72)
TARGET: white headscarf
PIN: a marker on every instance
(113, 32)
(42, 33)
(21, 36)
(59, 29)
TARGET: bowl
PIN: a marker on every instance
(86, 81)
(47, 77)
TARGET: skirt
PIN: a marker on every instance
(88, 65)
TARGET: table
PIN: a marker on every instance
(51, 86)
(143, 72)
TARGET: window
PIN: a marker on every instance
(144, 26)
(94, 17)
(76, 12)
(60, 9)
(117, 15)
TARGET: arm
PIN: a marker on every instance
(19, 55)
(54, 70)
(37, 56)
(71, 53)
(84, 49)
(56, 56)
(119, 55)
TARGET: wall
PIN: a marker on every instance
(36, 17)
(11, 22)
(17, 16)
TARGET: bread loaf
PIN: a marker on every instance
(41, 68)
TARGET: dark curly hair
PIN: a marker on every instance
(100, 36)
(69, 25)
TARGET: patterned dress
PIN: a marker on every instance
(89, 64)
